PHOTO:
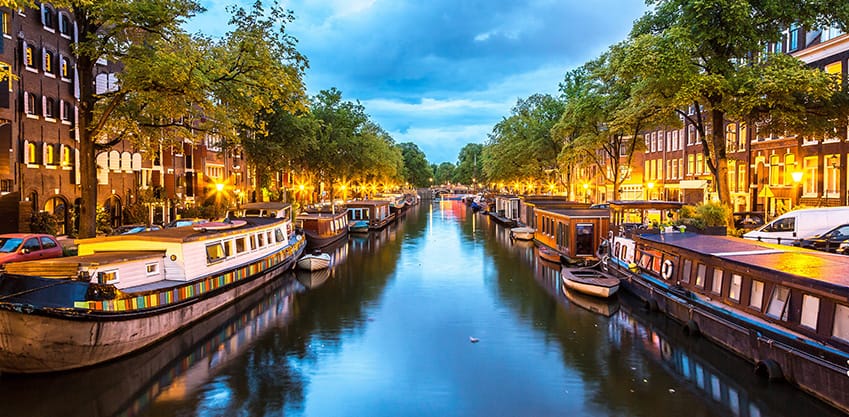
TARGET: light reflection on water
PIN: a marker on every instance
(387, 332)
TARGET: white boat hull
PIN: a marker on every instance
(589, 289)
(314, 262)
(522, 233)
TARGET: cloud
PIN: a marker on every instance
(443, 144)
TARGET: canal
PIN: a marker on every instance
(438, 315)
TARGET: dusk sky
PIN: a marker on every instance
(442, 73)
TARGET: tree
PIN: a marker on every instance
(417, 171)
(444, 173)
(287, 139)
(522, 146)
(702, 55)
(469, 167)
(173, 86)
(603, 119)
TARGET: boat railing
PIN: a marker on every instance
(779, 240)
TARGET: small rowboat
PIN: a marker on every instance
(522, 233)
(314, 261)
(359, 226)
(549, 254)
(590, 281)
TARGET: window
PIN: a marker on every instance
(685, 273)
(741, 177)
(810, 311)
(787, 224)
(269, 237)
(700, 165)
(736, 285)
(65, 24)
(31, 154)
(50, 155)
(107, 277)
(228, 248)
(810, 167)
(240, 245)
(260, 239)
(732, 175)
(278, 234)
(48, 17)
(700, 276)
(32, 245)
(49, 62)
(778, 303)
(793, 38)
(716, 284)
(731, 137)
(66, 155)
(49, 108)
(831, 176)
(691, 164)
(841, 322)
(29, 56)
(152, 268)
(65, 68)
(789, 165)
(215, 171)
(66, 111)
(30, 106)
(5, 23)
(214, 253)
(775, 170)
(253, 242)
(742, 137)
(48, 243)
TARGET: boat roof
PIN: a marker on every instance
(270, 205)
(320, 215)
(576, 212)
(187, 234)
(803, 263)
(645, 204)
(363, 203)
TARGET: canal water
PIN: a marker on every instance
(438, 315)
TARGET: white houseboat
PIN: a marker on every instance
(123, 293)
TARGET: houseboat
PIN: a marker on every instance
(785, 309)
(273, 209)
(506, 210)
(530, 203)
(323, 229)
(376, 212)
(123, 293)
(575, 234)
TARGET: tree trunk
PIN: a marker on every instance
(88, 163)
(719, 158)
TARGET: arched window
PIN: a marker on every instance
(31, 153)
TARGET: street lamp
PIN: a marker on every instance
(797, 178)
(650, 185)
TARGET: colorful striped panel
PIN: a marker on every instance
(194, 289)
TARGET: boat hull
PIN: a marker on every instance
(40, 340)
(596, 284)
(522, 233)
(313, 262)
(549, 254)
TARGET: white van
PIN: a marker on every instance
(800, 224)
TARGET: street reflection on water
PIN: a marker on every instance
(386, 331)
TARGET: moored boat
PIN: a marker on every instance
(323, 229)
(359, 226)
(376, 213)
(548, 254)
(522, 233)
(783, 308)
(590, 281)
(314, 261)
(124, 293)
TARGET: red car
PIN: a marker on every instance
(16, 247)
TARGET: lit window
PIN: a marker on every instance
(778, 303)
(685, 273)
(32, 156)
(700, 276)
(716, 284)
(48, 62)
(240, 245)
(152, 269)
(4, 22)
(841, 322)
(810, 311)
(29, 59)
(214, 253)
(107, 277)
(756, 300)
(736, 285)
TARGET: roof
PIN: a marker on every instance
(364, 203)
(270, 205)
(186, 234)
(576, 212)
(798, 262)
(645, 204)
(321, 215)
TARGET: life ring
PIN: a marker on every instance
(666, 269)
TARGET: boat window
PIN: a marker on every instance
(616, 247)
(756, 300)
(214, 253)
(700, 275)
(228, 248)
(716, 284)
(778, 303)
(736, 286)
(107, 277)
(260, 239)
(152, 268)
(841, 322)
(688, 269)
(253, 242)
(269, 237)
(240, 244)
(810, 311)
(624, 252)
(645, 260)
(279, 235)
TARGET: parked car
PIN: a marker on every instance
(129, 229)
(829, 241)
(748, 220)
(794, 225)
(16, 247)
(190, 221)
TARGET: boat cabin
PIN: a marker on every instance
(507, 209)
(531, 203)
(376, 212)
(628, 215)
(323, 228)
(574, 233)
(271, 209)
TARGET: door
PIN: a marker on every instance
(31, 249)
(584, 239)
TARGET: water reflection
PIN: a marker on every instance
(169, 371)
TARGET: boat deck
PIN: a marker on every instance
(158, 285)
(187, 234)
